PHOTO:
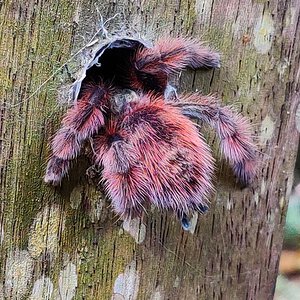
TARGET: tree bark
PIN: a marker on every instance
(66, 243)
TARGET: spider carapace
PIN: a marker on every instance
(149, 150)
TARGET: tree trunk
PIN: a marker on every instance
(66, 243)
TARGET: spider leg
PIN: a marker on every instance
(185, 219)
(80, 122)
(233, 130)
(170, 55)
(116, 155)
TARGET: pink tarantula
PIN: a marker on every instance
(148, 149)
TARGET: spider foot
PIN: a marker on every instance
(212, 61)
(185, 222)
(56, 170)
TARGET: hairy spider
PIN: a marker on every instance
(149, 150)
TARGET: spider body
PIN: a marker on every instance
(150, 155)
(150, 151)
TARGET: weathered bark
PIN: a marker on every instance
(67, 244)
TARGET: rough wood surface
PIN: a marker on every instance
(67, 244)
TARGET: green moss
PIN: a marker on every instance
(100, 265)
(31, 59)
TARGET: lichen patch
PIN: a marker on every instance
(256, 198)
(158, 294)
(126, 285)
(298, 118)
(264, 33)
(42, 289)
(282, 202)
(18, 272)
(76, 197)
(67, 282)
(176, 283)
(44, 232)
(282, 68)
(266, 129)
(1, 291)
(136, 229)
(263, 186)
(229, 205)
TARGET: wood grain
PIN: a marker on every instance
(69, 240)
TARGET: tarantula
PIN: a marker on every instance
(149, 150)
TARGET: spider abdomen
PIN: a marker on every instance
(162, 160)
